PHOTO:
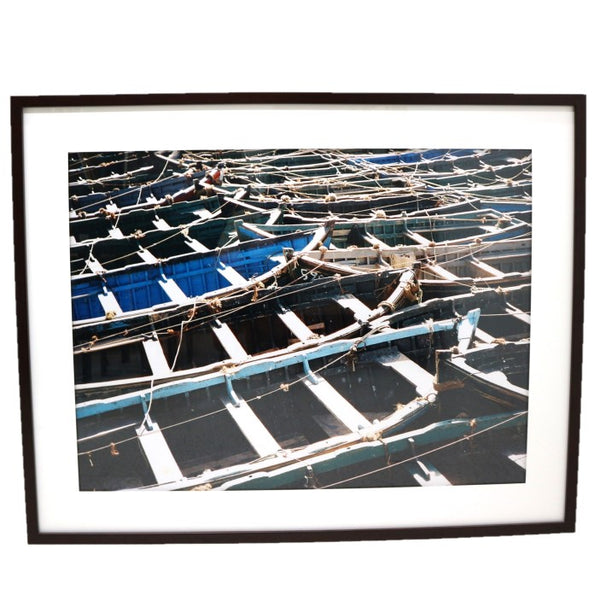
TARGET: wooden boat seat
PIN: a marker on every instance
(157, 451)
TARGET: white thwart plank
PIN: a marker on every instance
(94, 265)
(373, 241)
(274, 218)
(252, 428)
(157, 451)
(147, 256)
(195, 245)
(418, 238)
(109, 303)
(426, 474)
(483, 336)
(116, 233)
(295, 324)
(518, 314)
(519, 458)
(486, 269)
(156, 357)
(411, 371)
(160, 224)
(229, 341)
(349, 301)
(336, 403)
(231, 275)
(440, 272)
(172, 290)
(203, 213)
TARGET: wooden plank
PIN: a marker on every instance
(440, 271)
(486, 269)
(231, 275)
(195, 245)
(411, 371)
(252, 428)
(274, 218)
(156, 357)
(229, 341)
(349, 301)
(418, 238)
(147, 256)
(374, 241)
(160, 224)
(426, 474)
(204, 214)
(157, 451)
(483, 336)
(172, 290)
(94, 265)
(465, 334)
(116, 233)
(336, 403)
(295, 324)
(109, 303)
(518, 314)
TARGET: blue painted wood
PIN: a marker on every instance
(136, 287)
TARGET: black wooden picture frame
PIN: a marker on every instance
(33, 315)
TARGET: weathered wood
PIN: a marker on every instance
(160, 224)
(411, 371)
(439, 271)
(426, 474)
(172, 290)
(335, 402)
(295, 324)
(485, 268)
(147, 256)
(349, 301)
(157, 451)
(195, 245)
(252, 428)
(231, 275)
(94, 265)
(109, 303)
(228, 341)
(156, 357)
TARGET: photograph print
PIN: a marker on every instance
(300, 318)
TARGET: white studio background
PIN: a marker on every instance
(153, 47)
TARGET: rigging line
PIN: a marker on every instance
(147, 413)
(426, 453)
(509, 313)
(182, 325)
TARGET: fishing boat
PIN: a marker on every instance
(185, 279)
(241, 328)
(498, 371)
(265, 415)
(159, 240)
(479, 225)
(176, 188)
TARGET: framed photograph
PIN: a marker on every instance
(315, 316)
